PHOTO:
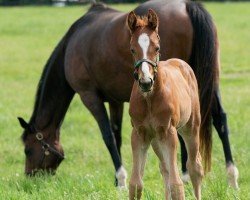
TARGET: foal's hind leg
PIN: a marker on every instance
(220, 124)
(140, 142)
(116, 112)
(194, 166)
(96, 106)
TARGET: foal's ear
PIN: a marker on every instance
(131, 21)
(153, 20)
(23, 123)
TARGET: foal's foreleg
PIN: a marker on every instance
(162, 165)
(140, 144)
(167, 143)
(194, 163)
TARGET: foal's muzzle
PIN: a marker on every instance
(146, 84)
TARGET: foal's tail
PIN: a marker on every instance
(204, 61)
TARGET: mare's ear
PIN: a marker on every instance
(153, 21)
(23, 123)
(131, 21)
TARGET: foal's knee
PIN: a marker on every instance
(195, 168)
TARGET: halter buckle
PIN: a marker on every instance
(46, 152)
(39, 136)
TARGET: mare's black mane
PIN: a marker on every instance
(52, 83)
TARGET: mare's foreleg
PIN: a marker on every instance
(140, 143)
(96, 106)
(116, 112)
(220, 124)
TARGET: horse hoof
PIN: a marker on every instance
(185, 177)
(232, 176)
(121, 176)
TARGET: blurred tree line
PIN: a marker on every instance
(70, 2)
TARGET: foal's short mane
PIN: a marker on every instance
(141, 21)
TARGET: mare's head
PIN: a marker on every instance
(42, 149)
(145, 47)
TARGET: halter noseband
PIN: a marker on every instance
(139, 63)
(47, 148)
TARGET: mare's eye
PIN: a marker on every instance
(132, 51)
(27, 152)
(157, 49)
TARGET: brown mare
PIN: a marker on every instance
(164, 99)
(93, 59)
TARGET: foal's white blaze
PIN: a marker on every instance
(144, 42)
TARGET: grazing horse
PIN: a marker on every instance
(93, 59)
(164, 99)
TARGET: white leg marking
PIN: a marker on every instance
(232, 176)
(185, 177)
(144, 42)
(121, 176)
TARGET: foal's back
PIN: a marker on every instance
(182, 88)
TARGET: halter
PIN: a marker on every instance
(139, 63)
(47, 148)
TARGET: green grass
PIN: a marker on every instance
(28, 36)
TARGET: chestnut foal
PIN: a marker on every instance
(164, 99)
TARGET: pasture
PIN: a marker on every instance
(28, 36)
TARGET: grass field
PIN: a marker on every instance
(28, 36)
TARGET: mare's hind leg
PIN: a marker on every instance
(184, 156)
(96, 106)
(140, 142)
(116, 111)
(220, 124)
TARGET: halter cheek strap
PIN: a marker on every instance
(47, 148)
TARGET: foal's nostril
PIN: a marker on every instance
(146, 83)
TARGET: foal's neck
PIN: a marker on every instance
(157, 87)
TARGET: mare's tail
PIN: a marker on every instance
(204, 61)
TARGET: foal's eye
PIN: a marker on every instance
(132, 51)
(157, 49)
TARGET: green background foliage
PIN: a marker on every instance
(28, 36)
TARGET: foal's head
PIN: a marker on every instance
(145, 47)
(43, 150)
